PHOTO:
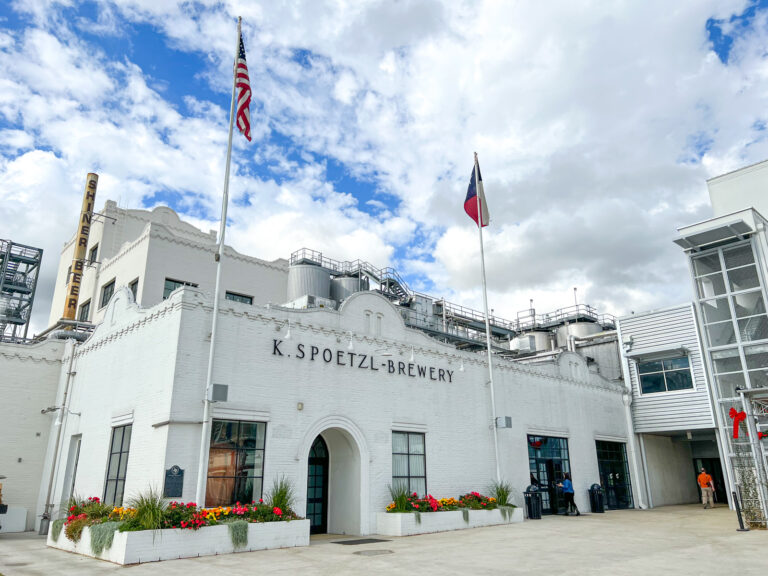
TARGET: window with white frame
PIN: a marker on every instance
(409, 468)
(667, 375)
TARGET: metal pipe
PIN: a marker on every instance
(46, 518)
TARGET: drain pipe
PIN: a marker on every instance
(627, 401)
(46, 517)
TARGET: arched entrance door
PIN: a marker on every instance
(317, 487)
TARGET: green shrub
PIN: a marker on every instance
(400, 497)
(56, 528)
(501, 490)
(238, 532)
(150, 510)
(102, 536)
(282, 495)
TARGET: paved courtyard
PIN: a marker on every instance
(672, 540)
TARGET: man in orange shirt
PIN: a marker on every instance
(707, 488)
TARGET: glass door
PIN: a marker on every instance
(548, 461)
(614, 474)
(317, 487)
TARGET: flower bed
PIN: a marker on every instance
(408, 514)
(152, 529)
(154, 545)
(409, 524)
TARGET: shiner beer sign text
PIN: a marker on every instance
(359, 361)
(81, 243)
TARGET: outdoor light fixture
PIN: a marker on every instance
(351, 346)
(411, 359)
(461, 366)
(288, 332)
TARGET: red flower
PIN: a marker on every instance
(72, 509)
(261, 501)
(415, 505)
(276, 511)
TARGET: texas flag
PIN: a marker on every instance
(473, 192)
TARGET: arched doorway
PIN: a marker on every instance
(317, 487)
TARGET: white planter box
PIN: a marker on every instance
(408, 524)
(14, 520)
(154, 545)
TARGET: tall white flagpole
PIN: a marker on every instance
(487, 323)
(202, 469)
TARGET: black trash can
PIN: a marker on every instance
(532, 503)
(596, 501)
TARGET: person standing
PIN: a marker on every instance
(567, 487)
(707, 488)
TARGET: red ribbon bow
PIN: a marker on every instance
(738, 418)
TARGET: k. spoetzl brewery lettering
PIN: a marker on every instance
(359, 361)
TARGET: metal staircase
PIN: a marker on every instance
(19, 269)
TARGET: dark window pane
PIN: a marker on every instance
(755, 328)
(645, 367)
(676, 363)
(716, 310)
(748, 304)
(712, 285)
(651, 383)
(679, 380)
(247, 435)
(127, 430)
(706, 264)
(726, 361)
(721, 334)
(114, 465)
(757, 357)
(727, 384)
(743, 278)
(223, 434)
(740, 256)
(117, 439)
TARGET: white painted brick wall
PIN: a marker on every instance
(28, 382)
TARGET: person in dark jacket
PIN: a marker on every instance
(567, 487)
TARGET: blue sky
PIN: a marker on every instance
(596, 137)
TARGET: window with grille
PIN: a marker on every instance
(106, 293)
(235, 462)
(171, 285)
(665, 375)
(85, 311)
(117, 465)
(239, 298)
(409, 468)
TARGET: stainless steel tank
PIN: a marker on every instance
(577, 330)
(342, 287)
(308, 280)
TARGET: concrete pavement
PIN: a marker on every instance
(672, 540)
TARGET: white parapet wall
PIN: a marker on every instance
(409, 523)
(14, 520)
(156, 545)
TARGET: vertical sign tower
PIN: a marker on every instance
(81, 245)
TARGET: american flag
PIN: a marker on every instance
(243, 84)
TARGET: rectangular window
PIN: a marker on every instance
(106, 293)
(171, 285)
(409, 469)
(134, 287)
(117, 465)
(667, 375)
(235, 462)
(93, 254)
(239, 298)
(85, 311)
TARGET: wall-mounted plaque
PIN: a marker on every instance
(174, 482)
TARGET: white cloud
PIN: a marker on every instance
(596, 125)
